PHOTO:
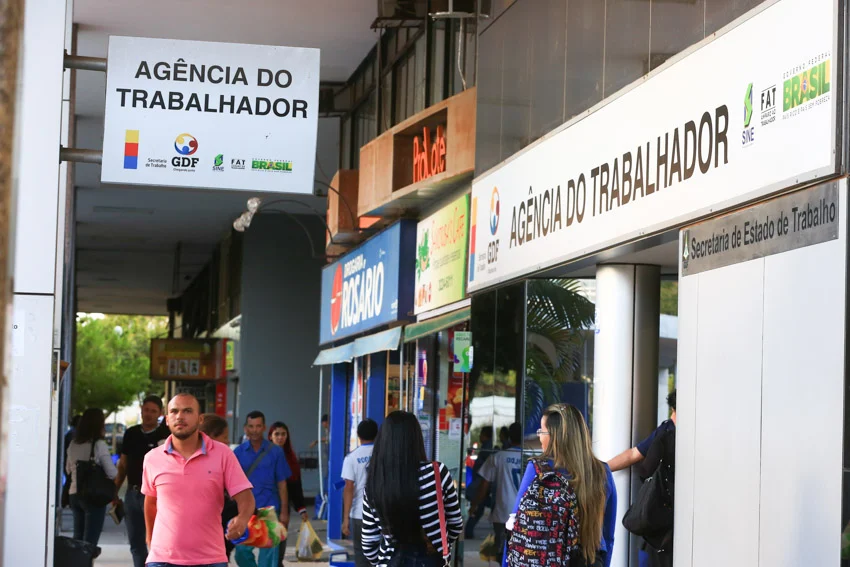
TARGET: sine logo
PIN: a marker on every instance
(131, 149)
(186, 144)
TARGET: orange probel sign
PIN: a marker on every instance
(429, 159)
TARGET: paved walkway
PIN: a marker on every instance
(116, 549)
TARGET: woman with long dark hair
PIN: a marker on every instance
(567, 448)
(88, 440)
(279, 435)
(401, 511)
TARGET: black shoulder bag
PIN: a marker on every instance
(93, 485)
(651, 513)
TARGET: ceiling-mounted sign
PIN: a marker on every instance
(187, 359)
(737, 119)
(210, 115)
(441, 257)
(370, 286)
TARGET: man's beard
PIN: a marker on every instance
(186, 434)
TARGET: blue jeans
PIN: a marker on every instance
(88, 520)
(245, 557)
(415, 556)
(134, 520)
(173, 565)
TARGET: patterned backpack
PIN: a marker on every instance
(545, 531)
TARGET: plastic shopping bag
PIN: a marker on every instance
(309, 546)
(488, 550)
(264, 529)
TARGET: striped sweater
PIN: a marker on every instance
(378, 546)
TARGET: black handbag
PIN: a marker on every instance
(651, 514)
(94, 487)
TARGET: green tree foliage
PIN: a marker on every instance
(558, 319)
(112, 365)
(669, 298)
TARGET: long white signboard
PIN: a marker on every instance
(210, 115)
(744, 115)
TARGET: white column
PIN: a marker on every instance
(41, 112)
(625, 373)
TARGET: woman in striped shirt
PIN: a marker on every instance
(400, 481)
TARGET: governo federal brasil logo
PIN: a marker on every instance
(495, 203)
(186, 144)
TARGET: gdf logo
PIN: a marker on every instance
(495, 205)
(336, 300)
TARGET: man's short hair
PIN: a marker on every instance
(325, 418)
(256, 414)
(367, 430)
(671, 400)
(212, 424)
(486, 431)
(515, 433)
(152, 399)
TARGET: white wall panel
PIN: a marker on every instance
(37, 157)
(803, 403)
(26, 522)
(686, 419)
(728, 400)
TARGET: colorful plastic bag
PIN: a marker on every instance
(265, 529)
(309, 546)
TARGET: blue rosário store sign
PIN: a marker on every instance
(370, 286)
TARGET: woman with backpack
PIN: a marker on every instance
(88, 445)
(409, 518)
(572, 491)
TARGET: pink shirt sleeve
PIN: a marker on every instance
(235, 480)
(148, 486)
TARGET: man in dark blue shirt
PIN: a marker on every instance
(265, 466)
(648, 556)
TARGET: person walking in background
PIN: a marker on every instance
(567, 450)
(138, 441)
(184, 482)
(88, 443)
(265, 466)
(485, 450)
(216, 428)
(354, 473)
(66, 478)
(279, 435)
(401, 510)
(502, 471)
(646, 457)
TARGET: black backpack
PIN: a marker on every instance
(94, 487)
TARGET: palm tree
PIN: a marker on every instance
(557, 316)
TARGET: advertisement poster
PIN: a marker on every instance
(462, 351)
(210, 115)
(738, 119)
(186, 359)
(370, 286)
(441, 246)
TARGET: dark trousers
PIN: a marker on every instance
(88, 520)
(357, 538)
(499, 531)
(134, 520)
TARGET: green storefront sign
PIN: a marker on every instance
(441, 248)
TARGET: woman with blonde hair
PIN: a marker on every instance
(567, 449)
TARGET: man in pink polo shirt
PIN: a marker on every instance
(184, 482)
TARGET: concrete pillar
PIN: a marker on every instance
(625, 374)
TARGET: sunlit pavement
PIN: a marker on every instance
(116, 549)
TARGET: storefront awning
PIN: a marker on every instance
(417, 330)
(379, 342)
(335, 355)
